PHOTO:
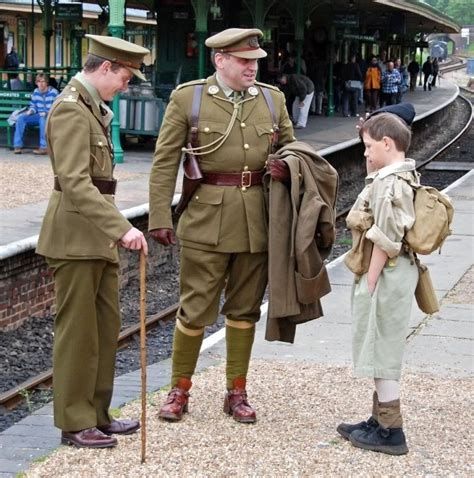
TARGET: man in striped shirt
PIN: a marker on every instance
(41, 102)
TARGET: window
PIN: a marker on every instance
(21, 46)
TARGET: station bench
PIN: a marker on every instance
(9, 102)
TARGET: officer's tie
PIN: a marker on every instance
(236, 98)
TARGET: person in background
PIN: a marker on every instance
(427, 73)
(403, 86)
(372, 84)
(302, 89)
(79, 238)
(352, 81)
(12, 62)
(41, 101)
(435, 72)
(385, 277)
(413, 69)
(391, 81)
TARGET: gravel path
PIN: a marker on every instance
(299, 406)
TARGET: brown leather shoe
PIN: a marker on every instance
(120, 427)
(236, 404)
(17, 151)
(88, 438)
(40, 151)
(177, 402)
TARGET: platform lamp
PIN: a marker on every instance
(420, 25)
(215, 10)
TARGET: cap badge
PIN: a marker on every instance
(213, 89)
(253, 91)
(253, 42)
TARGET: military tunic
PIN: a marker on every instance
(78, 236)
(228, 220)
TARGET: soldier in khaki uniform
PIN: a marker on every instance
(223, 230)
(79, 237)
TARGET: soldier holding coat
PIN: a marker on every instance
(233, 121)
(79, 237)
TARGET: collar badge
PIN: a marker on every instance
(213, 89)
(253, 91)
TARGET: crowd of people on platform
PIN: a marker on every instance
(375, 83)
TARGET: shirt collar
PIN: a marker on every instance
(92, 90)
(228, 91)
(398, 167)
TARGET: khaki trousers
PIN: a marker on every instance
(205, 274)
(85, 341)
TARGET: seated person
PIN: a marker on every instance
(41, 102)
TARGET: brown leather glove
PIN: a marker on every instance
(279, 170)
(163, 236)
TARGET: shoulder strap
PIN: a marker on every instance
(271, 106)
(195, 109)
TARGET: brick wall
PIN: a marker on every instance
(27, 287)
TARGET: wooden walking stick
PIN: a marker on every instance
(143, 347)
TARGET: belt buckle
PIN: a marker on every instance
(246, 180)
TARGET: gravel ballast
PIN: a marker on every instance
(299, 405)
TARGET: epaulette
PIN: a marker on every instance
(70, 96)
(191, 83)
(266, 85)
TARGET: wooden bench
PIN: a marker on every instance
(9, 102)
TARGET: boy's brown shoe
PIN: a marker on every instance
(17, 151)
(236, 404)
(177, 402)
(40, 151)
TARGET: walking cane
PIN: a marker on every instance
(143, 347)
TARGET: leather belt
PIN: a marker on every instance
(105, 186)
(245, 179)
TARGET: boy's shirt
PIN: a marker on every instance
(41, 102)
(390, 200)
(390, 81)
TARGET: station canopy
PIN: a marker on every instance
(419, 17)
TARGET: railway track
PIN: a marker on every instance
(11, 398)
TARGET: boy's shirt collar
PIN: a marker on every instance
(398, 167)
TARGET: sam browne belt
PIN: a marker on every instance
(245, 179)
(105, 186)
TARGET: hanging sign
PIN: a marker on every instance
(68, 12)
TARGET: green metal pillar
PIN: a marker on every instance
(259, 19)
(421, 64)
(76, 48)
(201, 9)
(47, 31)
(116, 29)
(332, 57)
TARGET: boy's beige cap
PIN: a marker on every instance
(118, 51)
(241, 42)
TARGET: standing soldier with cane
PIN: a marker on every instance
(79, 237)
(230, 123)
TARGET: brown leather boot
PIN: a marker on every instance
(177, 402)
(236, 404)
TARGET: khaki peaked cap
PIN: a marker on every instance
(118, 51)
(241, 42)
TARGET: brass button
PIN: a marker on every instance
(246, 168)
(197, 198)
(206, 130)
(246, 146)
(73, 88)
(100, 144)
(271, 130)
(243, 188)
(243, 125)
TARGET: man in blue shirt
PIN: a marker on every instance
(41, 102)
(391, 80)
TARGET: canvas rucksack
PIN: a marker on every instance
(433, 217)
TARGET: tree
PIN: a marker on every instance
(461, 11)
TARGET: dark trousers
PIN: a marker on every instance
(425, 82)
(371, 99)
(413, 79)
(389, 99)
(349, 101)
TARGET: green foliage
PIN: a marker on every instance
(461, 11)
(115, 412)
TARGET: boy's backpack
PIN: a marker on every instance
(434, 213)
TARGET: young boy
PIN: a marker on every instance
(383, 292)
